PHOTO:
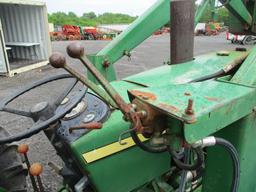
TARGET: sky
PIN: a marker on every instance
(131, 7)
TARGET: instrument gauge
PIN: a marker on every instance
(89, 117)
(80, 108)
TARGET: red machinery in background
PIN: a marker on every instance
(71, 32)
(90, 33)
(66, 32)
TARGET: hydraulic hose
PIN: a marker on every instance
(234, 156)
(213, 141)
(199, 173)
(176, 157)
(200, 156)
(232, 65)
(183, 179)
(145, 147)
(189, 167)
(207, 77)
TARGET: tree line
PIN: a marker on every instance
(221, 15)
(89, 19)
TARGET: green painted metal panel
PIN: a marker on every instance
(123, 167)
(213, 10)
(177, 74)
(235, 102)
(108, 72)
(239, 10)
(235, 25)
(248, 69)
(200, 10)
(128, 169)
(213, 100)
(218, 98)
(218, 172)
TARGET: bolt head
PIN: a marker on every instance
(134, 106)
(75, 50)
(143, 114)
(57, 60)
(189, 112)
(145, 97)
(106, 64)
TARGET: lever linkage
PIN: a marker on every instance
(109, 94)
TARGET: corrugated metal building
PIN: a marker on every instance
(24, 36)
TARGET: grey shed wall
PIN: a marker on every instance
(26, 23)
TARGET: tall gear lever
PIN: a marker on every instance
(110, 95)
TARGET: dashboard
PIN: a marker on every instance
(90, 109)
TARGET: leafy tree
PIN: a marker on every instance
(89, 19)
(58, 18)
(207, 16)
(90, 15)
(221, 14)
(72, 15)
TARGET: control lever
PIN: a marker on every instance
(23, 149)
(92, 125)
(110, 95)
(76, 51)
(58, 60)
(36, 169)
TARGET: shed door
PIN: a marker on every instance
(3, 55)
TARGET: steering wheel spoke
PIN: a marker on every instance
(17, 112)
(43, 114)
(65, 93)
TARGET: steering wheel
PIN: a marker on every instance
(43, 114)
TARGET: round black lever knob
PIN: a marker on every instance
(75, 50)
(57, 60)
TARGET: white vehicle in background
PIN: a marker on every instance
(241, 39)
(200, 28)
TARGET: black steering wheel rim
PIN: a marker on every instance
(40, 125)
(27, 88)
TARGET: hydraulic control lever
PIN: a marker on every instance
(76, 51)
(110, 95)
(58, 60)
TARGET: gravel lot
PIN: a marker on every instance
(149, 54)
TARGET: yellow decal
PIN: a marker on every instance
(110, 149)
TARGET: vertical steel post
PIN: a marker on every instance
(182, 30)
(213, 11)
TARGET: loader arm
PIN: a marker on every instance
(153, 19)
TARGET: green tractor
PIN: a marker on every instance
(187, 126)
